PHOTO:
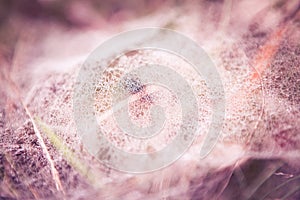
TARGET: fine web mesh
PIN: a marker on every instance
(256, 156)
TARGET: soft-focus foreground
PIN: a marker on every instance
(255, 47)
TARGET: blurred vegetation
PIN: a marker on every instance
(15, 15)
(59, 11)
